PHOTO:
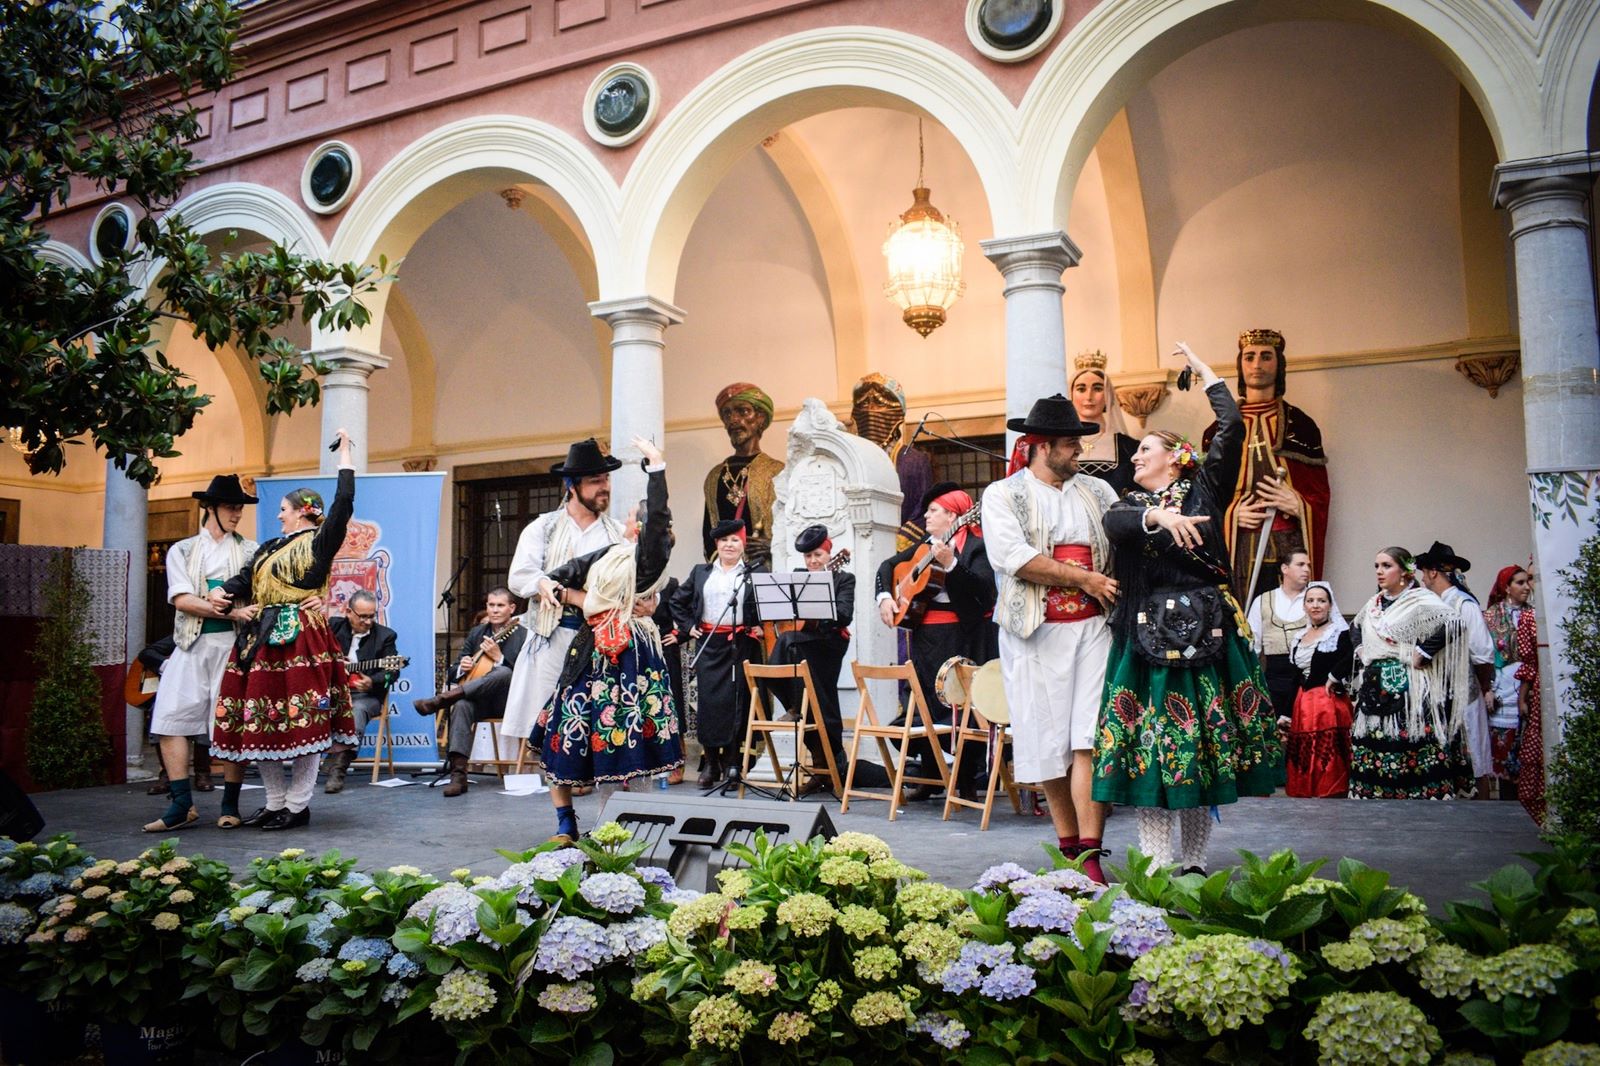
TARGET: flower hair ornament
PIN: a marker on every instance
(1185, 455)
(308, 504)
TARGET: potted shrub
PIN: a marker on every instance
(114, 947)
(31, 875)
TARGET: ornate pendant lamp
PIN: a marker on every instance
(924, 255)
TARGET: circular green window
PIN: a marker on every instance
(112, 231)
(621, 104)
(331, 176)
(1011, 25)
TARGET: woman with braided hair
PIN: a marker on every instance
(286, 693)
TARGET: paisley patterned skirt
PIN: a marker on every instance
(614, 722)
(293, 700)
(1387, 761)
(1181, 738)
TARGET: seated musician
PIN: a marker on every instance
(959, 601)
(481, 681)
(822, 645)
(362, 638)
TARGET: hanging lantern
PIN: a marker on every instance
(924, 255)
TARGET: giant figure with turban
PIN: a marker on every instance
(878, 409)
(741, 486)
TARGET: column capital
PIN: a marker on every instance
(1520, 179)
(1052, 251)
(344, 357)
(645, 309)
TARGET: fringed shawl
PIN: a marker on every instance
(558, 546)
(610, 594)
(1440, 687)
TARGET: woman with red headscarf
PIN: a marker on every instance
(960, 600)
(1507, 601)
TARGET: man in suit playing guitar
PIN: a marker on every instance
(955, 606)
(361, 637)
(820, 644)
(482, 681)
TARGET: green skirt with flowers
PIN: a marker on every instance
(1180, 738)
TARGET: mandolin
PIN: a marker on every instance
(481, 663)
(913, 577)
(773, 630)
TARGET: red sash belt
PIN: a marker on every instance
(708, 630)
(939, 617)
(1071, 605)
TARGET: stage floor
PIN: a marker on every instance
(1435, 849)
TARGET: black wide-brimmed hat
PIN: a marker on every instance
(727, 528)
(585, 459)
(1442, 557)
(1053, 416)
(811, 538)
(225, 488)
(939, 489)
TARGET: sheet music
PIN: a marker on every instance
(796, 595)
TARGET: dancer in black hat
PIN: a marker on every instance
(203, 635)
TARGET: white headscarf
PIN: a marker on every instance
(1103, 445)
(1336, 622)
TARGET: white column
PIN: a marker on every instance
(127, 507)
(344, 402)
(638, 327)
(1036, 346)
(1547, 199)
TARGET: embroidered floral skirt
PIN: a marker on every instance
(1181, 738)
(1319, 744)
(294, 700)
(1387, 762)
(614, 722)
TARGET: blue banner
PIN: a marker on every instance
(389, 550)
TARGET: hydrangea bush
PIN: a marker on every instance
(31, 875)
(812, 952)
(520, 967)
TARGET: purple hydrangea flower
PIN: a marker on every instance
(656, 875)
(366, 949)
(403, 967)
(455, 913)
(1008, 981)
(1054, 881)
(1136, 928)
(1049, 911)
(615, 893)
(1273, 952)
(1000, 876)
(572, 947)
(1139, 994)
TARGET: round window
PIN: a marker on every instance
(1013, 24)
(621, 104)
(113, 232)
(330, 177)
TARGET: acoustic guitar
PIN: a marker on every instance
(917, 580)
(368, 667)
(481, 663)
(773, 630)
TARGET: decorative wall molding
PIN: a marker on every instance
(1489, 371)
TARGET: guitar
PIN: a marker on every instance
(913, 577)
(368, 667)
(773, 630)
(481, 663)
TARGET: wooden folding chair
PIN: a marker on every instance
(500, 760)
(918, 723)
(383, 746)
(973, 727)
(810, 722)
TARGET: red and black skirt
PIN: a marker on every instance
(290, 698)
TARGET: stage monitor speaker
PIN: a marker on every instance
(19, 818)
(689, 837)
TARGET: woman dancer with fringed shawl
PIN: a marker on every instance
(612, 717)
(1406, 740)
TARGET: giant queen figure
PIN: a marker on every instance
(1284, 473)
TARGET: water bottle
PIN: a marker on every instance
(662, 783)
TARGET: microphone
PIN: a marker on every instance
(918, 431)
(497, 515)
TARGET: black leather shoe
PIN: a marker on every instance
(287, 819)
(922, 793)
(815, 785)
(1193, 870)
(261, 815)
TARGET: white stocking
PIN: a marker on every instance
(272, 778)
(303, 782)
(1155, 833)
(1196, 831)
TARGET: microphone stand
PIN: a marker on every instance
(447, 598)
(952, 439)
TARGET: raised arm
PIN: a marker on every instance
(655, 541)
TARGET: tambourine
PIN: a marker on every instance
(989, 693)
(947, 686)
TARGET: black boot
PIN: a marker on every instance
(286, 819)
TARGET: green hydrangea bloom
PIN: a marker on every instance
(841, 871)
(807, 913)
(610, 835)
(1139, 1057)
(1562, 1053)
(1579, 932)
(751, 978)
(858, 843)
(879, 1008)
(1464, 1058)
(876, 964)
(1348, 956)
(735, 884)
(929, 900)
(862, 923)
(689, 918)
(790, 1027)
(1221, 981)
(826, 996)
(1392, 940)
(461, 996)
(894, 870)
(1526, 970)
(719, 1022)
(745, 919)
(1371, 1029)
(1446, 971)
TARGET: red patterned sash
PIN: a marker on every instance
(1071, 605)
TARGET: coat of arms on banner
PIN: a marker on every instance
(360, 565)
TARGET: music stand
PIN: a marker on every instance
(794, 596)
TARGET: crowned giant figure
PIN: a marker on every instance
(878, 409)
(740, 487)
(1284, 475)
